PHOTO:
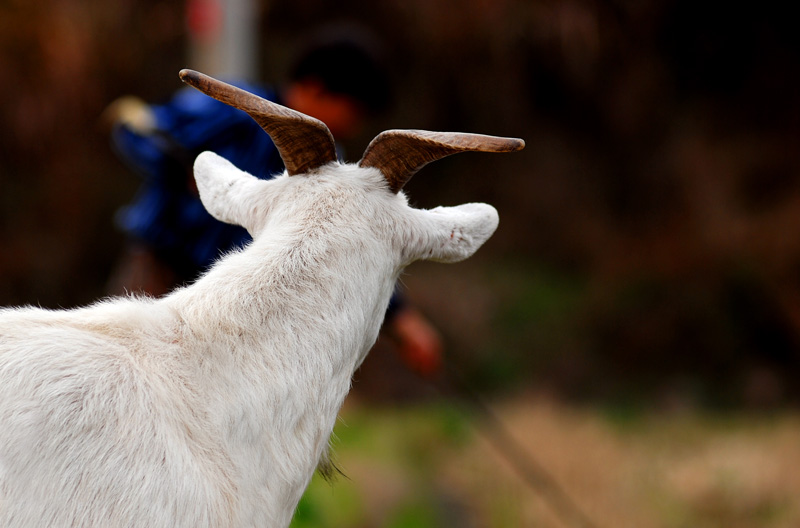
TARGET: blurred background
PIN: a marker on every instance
(635, 320)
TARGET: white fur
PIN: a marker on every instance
(213, 405)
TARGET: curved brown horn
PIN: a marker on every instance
(399, 154)
(303, 142)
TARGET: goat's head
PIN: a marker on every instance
(374, 185)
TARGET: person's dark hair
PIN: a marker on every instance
(347, 65)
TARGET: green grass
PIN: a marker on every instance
(406, 441)
(427, 466)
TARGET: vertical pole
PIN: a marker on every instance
(223, 37)
(240, 40)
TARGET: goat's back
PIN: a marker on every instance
(82, 411)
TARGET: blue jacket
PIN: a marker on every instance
(166, 214)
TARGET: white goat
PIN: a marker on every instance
(213, 405)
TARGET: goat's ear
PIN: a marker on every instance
(230, 194)
(451, 234)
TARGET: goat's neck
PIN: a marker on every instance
(291, 296)
(280, 333)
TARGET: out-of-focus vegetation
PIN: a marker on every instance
(430, 466)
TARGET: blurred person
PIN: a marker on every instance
(171, 237)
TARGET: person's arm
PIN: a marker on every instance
(420, 344)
